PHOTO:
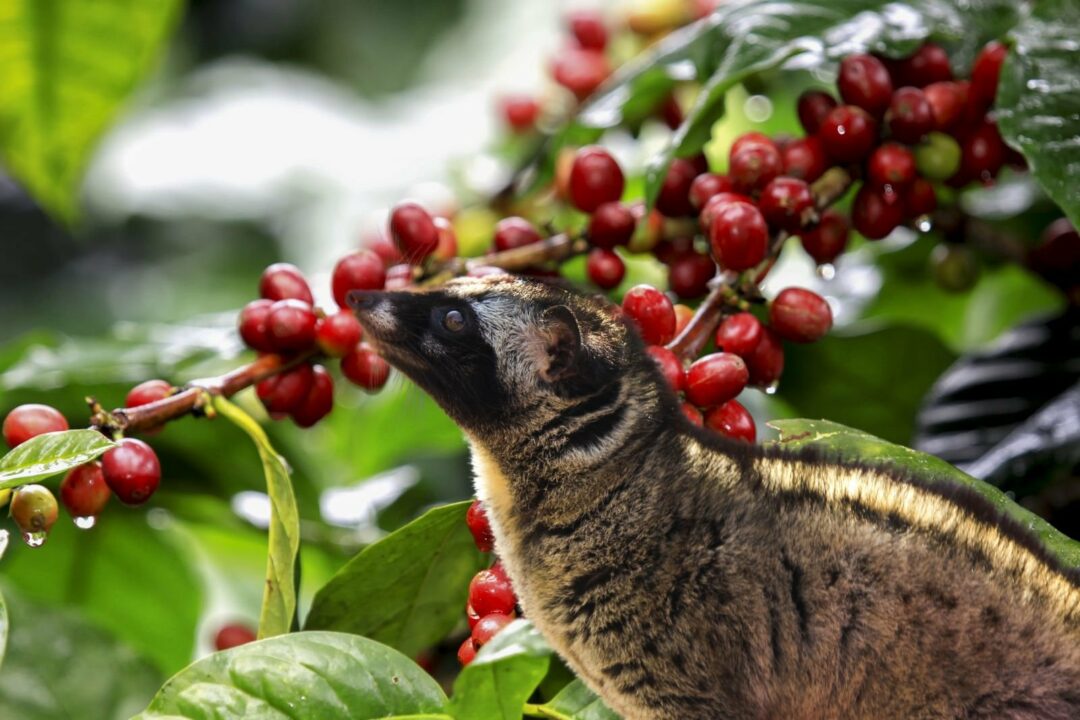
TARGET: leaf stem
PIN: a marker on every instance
(541, 711)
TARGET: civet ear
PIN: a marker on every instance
(561, 338)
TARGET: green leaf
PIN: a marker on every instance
(279, 596)
(506, 671)
(318, 675)
(58, 665)
(68, 66)
(872, 379)
(407, 590)
(51, 454)
(1038, 101)
(4, 626)
(851, 444)
(578, 702)
(126, 575)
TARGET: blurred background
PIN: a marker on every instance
(281, 130)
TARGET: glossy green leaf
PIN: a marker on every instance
(59, 665)
(68, 67)
(1038, 102)
(126, 575)
(578, 702)
(407, 590)
(872, 379)
(317, 675)
(279, 595)
(50, 454)
(850, 444)
(506, 671)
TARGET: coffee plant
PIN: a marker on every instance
(936, 140)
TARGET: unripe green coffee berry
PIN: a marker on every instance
(938, 156)
(34, 509)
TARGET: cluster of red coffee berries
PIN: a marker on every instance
(492, 603)
(285, 320)
(131, 470)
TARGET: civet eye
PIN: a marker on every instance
(453, 321)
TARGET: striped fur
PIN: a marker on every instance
(682, 575)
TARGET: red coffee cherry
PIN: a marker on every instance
(131, 470)
(337, 334)
(588, 28)
(669, 364)
(361, 270)
(748, 139)
(738, 236)
(910, 116)
(413, 230)
(787, 203)
(813, 106)
(673, 199)
(733, 420)
(233, 635)
(148, 392)
(29, 421)
(364, 367)
(290, 325)
(929, 64)
(467, 652)
(683, 314)
(448, 247)
(800, 315)
(715, 378)
(319, 400)
(826, 240)
(706, 185)
(848, 134)
(755, 165)
(514, 232)
(488, 627)
(399, 276)
(253, 325)
(947, 100)
(611, 224)
(982, 153)
(652, 312)
(876, 212)
(692, 414)
(805, 159)
(34, 509)
(284, 281)
(605, 268)
(920, 198)
(84, 491)
(985, 73)
(520, 112)
(471, 616)
(717, 201)
(595, 179)
(1057, 256)
(739, 334)
(477, 520)
(891, 164)
(766, 363)
(689, 275)
(580, 70)
(490, 592)
(284, 392)
(864, 81)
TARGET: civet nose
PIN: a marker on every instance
(360, 300)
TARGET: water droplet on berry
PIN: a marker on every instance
(923, 223)
(771, 388)
(85, 523)
(826, 271)
(35, 539)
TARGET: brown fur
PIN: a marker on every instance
(685, 576)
